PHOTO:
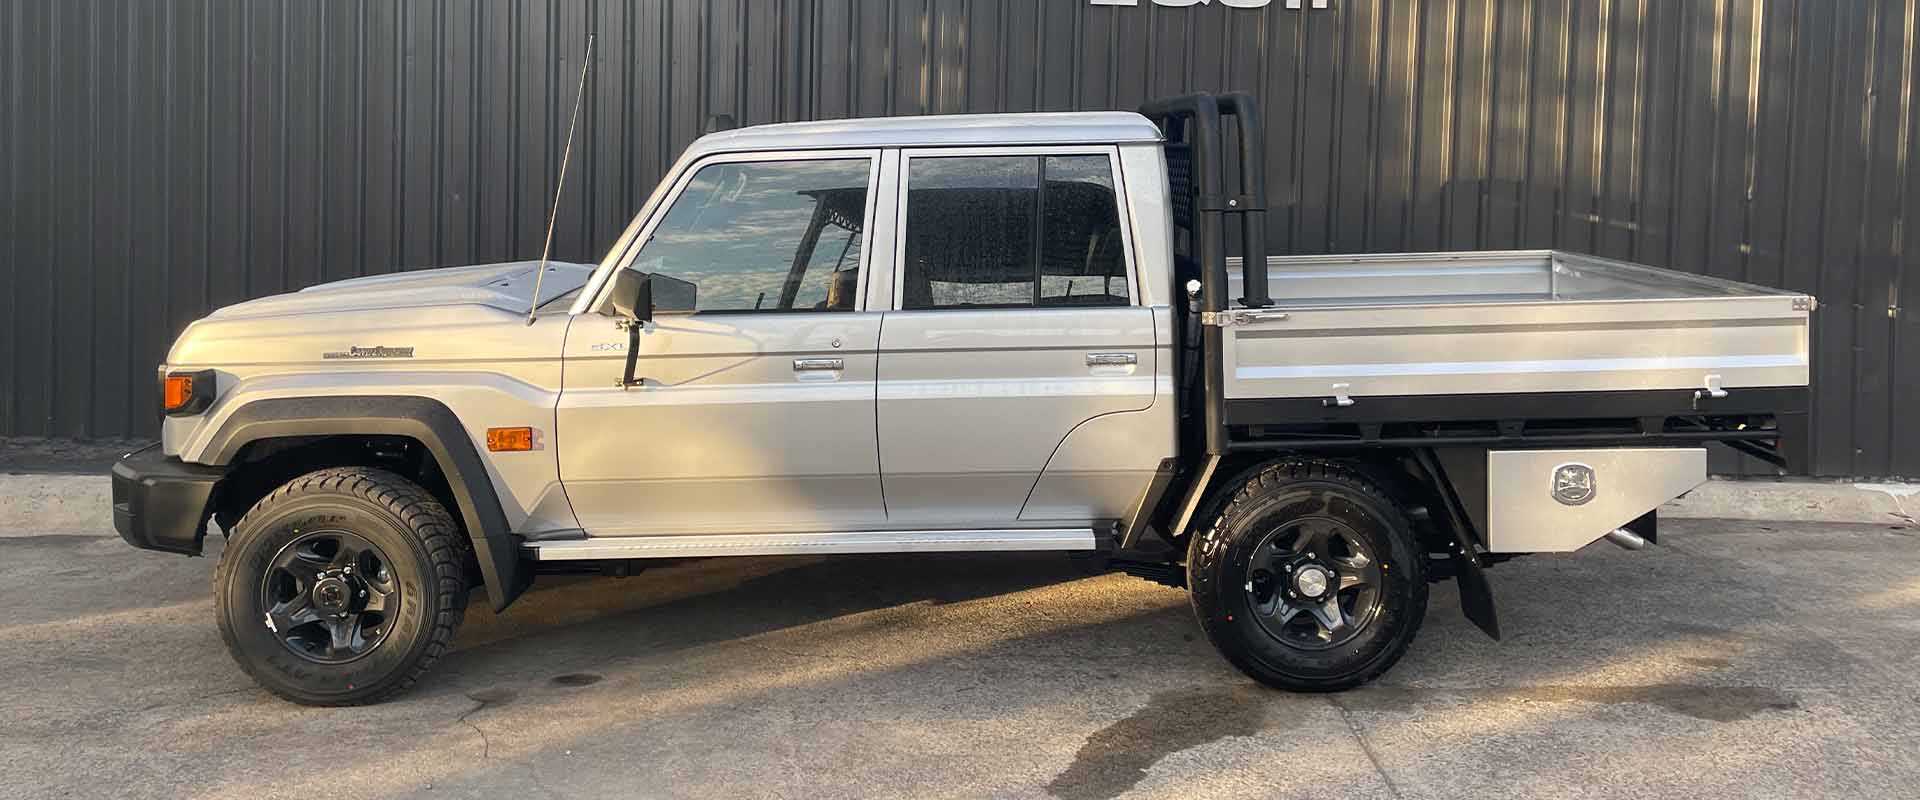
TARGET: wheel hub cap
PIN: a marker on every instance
(1311, 581)
(332, 595)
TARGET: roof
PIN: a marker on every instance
(949, 130)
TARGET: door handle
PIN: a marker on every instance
(819, 364)
(1112, 359)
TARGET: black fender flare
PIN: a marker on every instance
(423, 419)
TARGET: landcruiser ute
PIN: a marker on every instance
(939, 334)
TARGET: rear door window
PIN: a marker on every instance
(1012, 231)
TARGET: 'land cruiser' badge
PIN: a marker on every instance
(1573, 483)
(371, 352)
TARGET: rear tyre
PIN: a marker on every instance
(1310, 579)
(341, 587)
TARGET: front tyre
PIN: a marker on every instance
(341, 587)
(1310, 579)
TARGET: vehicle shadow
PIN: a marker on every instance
(887, 656)
(693, 604)
(1690, 612)
(999, 674)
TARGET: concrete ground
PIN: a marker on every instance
(1739, 659)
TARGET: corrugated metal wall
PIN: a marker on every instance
(165, 158)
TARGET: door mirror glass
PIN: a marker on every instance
(672, 295)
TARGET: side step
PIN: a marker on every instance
(786, 544)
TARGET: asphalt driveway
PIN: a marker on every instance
(1739, 659)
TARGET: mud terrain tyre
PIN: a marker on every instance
(341, 587)
(1310, 578)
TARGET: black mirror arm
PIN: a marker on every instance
(633, 328)
(635, 322)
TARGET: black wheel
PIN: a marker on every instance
(1310, 579)
(341, 587)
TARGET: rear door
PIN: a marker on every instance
(1016, 319)
(756, 409)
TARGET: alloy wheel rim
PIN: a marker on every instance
(1314, 583)
(330, 596)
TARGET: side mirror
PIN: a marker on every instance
(633, 295)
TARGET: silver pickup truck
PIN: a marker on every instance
(938, 334)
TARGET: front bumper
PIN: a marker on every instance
(161, 503)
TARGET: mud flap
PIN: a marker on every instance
(1476, 595)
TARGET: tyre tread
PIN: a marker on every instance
(420, 514)
(1278, 475)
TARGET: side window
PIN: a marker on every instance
(766, 236)
(1082, 260)
(999, 231)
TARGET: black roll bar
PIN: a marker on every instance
(1192, 123)
(1252, 202)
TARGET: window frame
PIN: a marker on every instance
(603, 299)
(902, 208)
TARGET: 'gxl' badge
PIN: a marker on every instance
(1573, 484)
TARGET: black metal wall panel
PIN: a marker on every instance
(164, 158)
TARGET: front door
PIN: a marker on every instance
(1016, 323)
(755, 413)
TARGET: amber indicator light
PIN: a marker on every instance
(179, 391)
(502, 440)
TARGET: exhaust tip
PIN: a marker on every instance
(1627, 539)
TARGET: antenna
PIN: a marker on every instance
(553, 214)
